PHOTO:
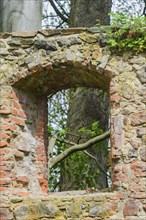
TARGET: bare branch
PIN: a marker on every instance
(66, 141)
(77, 147)
(58, 2)
(94, 158)
(58, 12)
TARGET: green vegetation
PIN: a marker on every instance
(127, 33)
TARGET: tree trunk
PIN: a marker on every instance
(22, 15)
(87, 105)
(84, 13)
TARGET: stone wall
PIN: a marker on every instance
(34, 65)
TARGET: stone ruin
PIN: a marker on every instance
(36, 64)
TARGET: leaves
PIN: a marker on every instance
(127, 33)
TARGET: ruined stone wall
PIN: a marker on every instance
(34, 65)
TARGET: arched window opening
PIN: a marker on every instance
(70, 125)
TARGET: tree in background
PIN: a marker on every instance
(58, 16)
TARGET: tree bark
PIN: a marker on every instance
(84, 13)
(20, 15)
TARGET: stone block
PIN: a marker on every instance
(131, 208)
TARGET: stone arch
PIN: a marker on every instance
(44, 66)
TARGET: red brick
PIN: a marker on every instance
(4, 151)
(43, 181)
(116, 169)
(137, 195)
(6, 158)
(18, 154)
(13, 95)
(4, 136)
(16, 105)
(22, 114)
(23, 179)
(124, 169)
(5, 181)
(41, 158)
(44, 184)
(138, 118)
(19, 121)
(8, 127)
(14, 112)
(5, 214)
(3, 189)
(23, 193)
(5, 110)
(121, 196)
(131, 208)
(120, 176)
(3, 143)
(6, 168)
(115, 98)
(4, 174)
(139, 173)
(138, 165)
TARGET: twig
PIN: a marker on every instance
(58, 12)
(90, 155)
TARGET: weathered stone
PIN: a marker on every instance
(103, 63)
(140, 132)
(24, 34)
(46, 45)
(94, 30)
(144, 139)
(74, 210)
(135, 144)
(21, 212)
(142, 74)
(28, 42)
(51, 210)
(4, 51)
(142, 152)
(16, 200)
(2, 44)
(68, 41)
(118, 125)
(97, 211)
(14, 42)
(102, 41)
(132, 153)
(138, 118)
(5, 214)
(131, 208)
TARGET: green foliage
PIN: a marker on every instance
(77, 165)
(127, 33)
(94, 131)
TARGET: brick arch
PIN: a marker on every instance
(34, 65)
(55, 77)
